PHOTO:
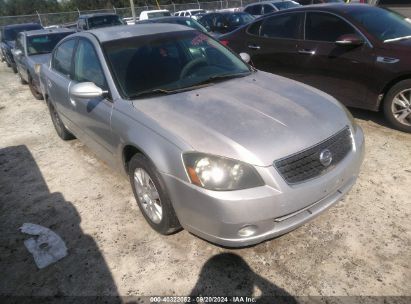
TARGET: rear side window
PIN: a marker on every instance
(62, 57)
(268, 9)
(254, 29)
(326, 27)
(254, 9)
(285, 26)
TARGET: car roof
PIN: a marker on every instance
(338, 8)
(136, 30)
(97, 15)
(48, 31)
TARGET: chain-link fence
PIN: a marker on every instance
(67, 18)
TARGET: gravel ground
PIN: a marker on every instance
(361, 246)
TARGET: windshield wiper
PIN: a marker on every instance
(398, 39)
(221, 77)
(152, 92)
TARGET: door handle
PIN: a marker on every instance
(254, 47)
(306, 52)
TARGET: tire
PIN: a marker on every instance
(22, 81)
(396, 104)
(34, 90)
(8, 64)
(14, 68)
(61, 130)
(168, 222)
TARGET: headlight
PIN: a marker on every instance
(37, 68)
(220, 173)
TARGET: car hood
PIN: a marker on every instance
(40, 59)
(256, 119)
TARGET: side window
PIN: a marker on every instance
(62, 57)
(254, 29)
(19, 42)
(326, 27)
(219, 21)
(257, 10)
(268, 9)
(285, 26)
(87, 66)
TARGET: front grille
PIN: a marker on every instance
(305, 165)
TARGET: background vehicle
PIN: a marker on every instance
(190, 13)
(266, 7)
(32, 49)
(154, 14)
(197, 131)
(308, 2)
(92, 21)
(400, 6)
(357, 53)
(225, 22)
(9, 35)
(187, 21)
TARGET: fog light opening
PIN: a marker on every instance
(248, 230)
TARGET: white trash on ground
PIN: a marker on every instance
(47, 248)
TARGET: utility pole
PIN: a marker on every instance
(133, 12)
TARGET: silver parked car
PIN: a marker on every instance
(233, 155)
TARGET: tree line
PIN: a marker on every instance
(28, 7)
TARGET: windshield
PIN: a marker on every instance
(158, 14)
(10, 34)
(383, 24)
(172, 61)
(286, 4)
(104, 21)
(43, 44)
(240, 18)
(192, 23)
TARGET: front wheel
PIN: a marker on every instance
(151, 195)
(397, 106)
(61, 130)
(34, 90)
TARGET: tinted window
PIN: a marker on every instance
(240, 19)
(286, 4)
(254, 28)
(43, 44)
(394, 2)
(282, 26)
(173, 61)
(326, 27)
(254, 9)
(207, 20)
(87, 65)
(158, 14)
(268, 9)
(383, 24)
(11, 33)
(104, 21)
(62, 57)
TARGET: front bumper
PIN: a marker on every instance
(270, 211)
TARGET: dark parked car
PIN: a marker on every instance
(308, 2)
(358, 53)
(8, 37)
(187, 21)
(93, 21)
(33, 48)
(225, 22)
(400, 6)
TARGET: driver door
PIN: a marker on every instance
(345, 72)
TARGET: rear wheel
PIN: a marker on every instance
(151, 195)
(22, 81)
(34, 90)
(61, 130)
(14, 68)
(397, 106)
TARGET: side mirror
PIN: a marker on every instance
(17, 53)
(349, 40)
(86, 90)
(245, 57)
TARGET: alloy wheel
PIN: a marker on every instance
(401, 107)
(148, 195)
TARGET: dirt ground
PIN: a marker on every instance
(361, 246)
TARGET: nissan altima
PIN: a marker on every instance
(231, 154)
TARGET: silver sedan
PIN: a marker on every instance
(232, 154)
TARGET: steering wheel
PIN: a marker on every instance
(189, 66)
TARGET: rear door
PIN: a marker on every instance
(21, 59)
(272, 43)
(342, 71)
(58, 81)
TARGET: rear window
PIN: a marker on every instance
(10, 34)
(286, 4)
(158, 14)
(104, 21)
(43, 44)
